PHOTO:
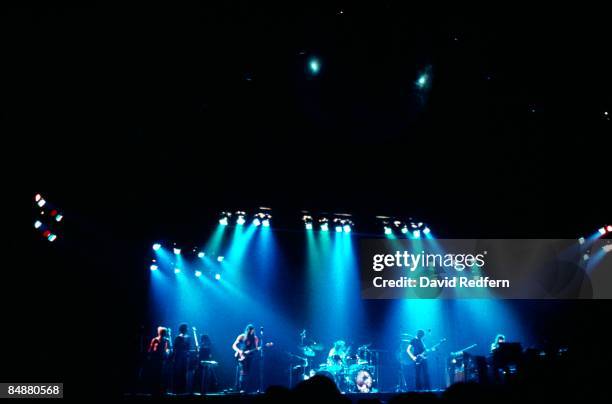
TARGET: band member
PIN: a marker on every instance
(499, 339)
(245, 345)
(205, 374)
(181, 356)
(337, 353)
(416, 351)
(159, 349)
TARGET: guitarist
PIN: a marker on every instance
(416, 351)
(245, 346)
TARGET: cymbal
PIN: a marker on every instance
(307, 351)
(316, 347)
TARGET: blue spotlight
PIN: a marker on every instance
(388, 230)
(416, 234)
(153, 267)
(265, 223)
(37, 224)
(156, 246)
(51, 237)
(422, 81)
(324, 227)
(41, 202)
(404, 229)
(217, 276)
(256, 221)
(307, 219)
(201, 254)
(198, 274)
(426, 230)
(59, 217)
(347, 228)
(177, 251)
(220, 258)
(338, 229)
(177, 270)
(223, 221)
(240, 221)
(314, 66)
(602, 231)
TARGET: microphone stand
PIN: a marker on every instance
(261, 359)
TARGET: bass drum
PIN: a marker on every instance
(363, 381)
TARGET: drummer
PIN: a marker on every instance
(337, 353)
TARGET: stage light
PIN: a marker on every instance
(314, 65)
(46, 233)
(388, 230)
(177, 251)
(51, 237)
(607, 248)
(224, 219)
(217, 276)
(59, 217)
(404, 229)
(154, 267)
(416, 234)
(37, 224)
(422, 81)
(343, 223)
(426, 230)
(307, 219)
(324, 224)
(177, 270)
(240, 218)
(581, 240)
(41, 203)
(201, 254)
(37, 197)
(586, 257)
(609, 228)
(220, 258)
(263, 217)
(156, 246)
(602, 231)
(198, 274)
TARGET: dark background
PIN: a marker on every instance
(143, 122)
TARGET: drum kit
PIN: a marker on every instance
(351, 371)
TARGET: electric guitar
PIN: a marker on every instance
(245, 354)
(422, 357)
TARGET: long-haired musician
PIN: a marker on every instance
(245, 346)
